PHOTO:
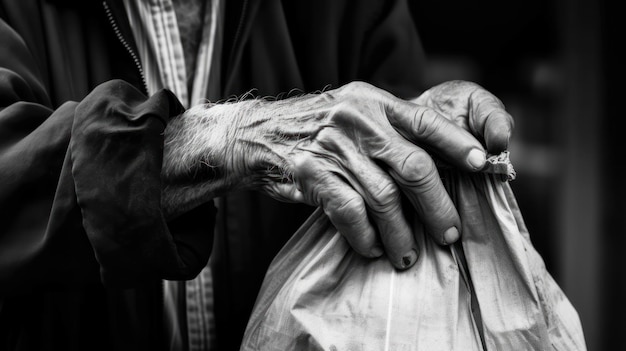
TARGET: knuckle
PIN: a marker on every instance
(486, 101)
(418, 167)
(385, 195)
(358, 89)
(351, 204)
(357, 86)
(425, 122)
(347, 209)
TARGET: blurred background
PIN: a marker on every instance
(555, 66)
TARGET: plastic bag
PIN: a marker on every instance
(491, 291)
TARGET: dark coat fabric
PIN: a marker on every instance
(83, 242)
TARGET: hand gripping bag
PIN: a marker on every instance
(489, 292)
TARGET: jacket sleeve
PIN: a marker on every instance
(80, 185)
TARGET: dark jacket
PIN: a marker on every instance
(81, 149)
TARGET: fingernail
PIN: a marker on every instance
(451, 235)
(409, 259)
(476, 159)
(377, 251)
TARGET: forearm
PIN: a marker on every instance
(214, 149)
(193, 168)
(199, 161)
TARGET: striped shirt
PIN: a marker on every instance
(157, 33)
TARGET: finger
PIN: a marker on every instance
(489, 119)
(427, 127)
(497, 129)
(376, 188)
(318, 182)
(416, 174)
(382, 197)
(346, 210)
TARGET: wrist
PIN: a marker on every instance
(212, 149)
(195, 158)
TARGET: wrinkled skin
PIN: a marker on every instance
(474, 109)
(353, 151)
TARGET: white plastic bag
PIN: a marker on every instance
(319, 294)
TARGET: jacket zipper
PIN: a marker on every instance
(133, 55)
(127, 46)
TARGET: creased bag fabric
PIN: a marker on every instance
(491, 291)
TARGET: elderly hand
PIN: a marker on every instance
(352, 151)
(474, 109)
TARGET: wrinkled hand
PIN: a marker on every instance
(351, 150)
(474, 109)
